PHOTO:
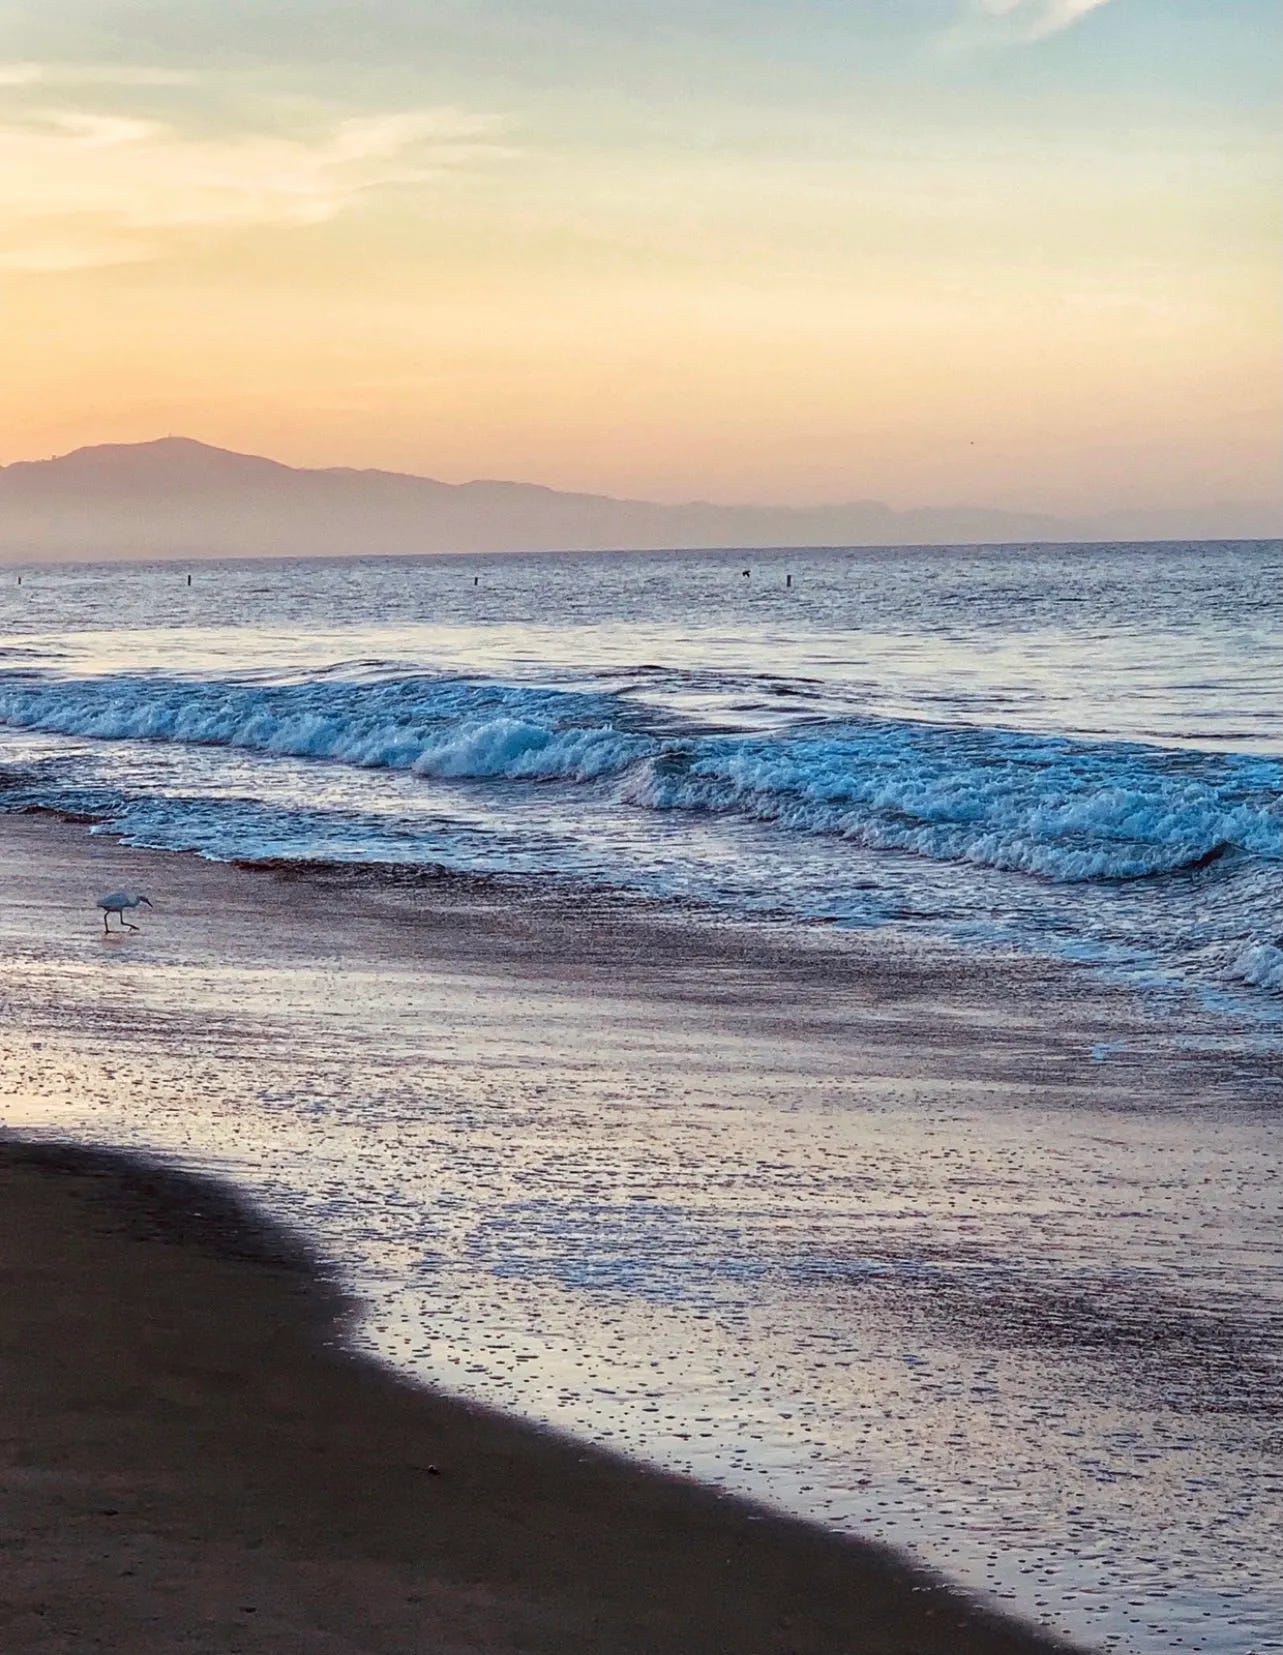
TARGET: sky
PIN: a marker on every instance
(1021, 253)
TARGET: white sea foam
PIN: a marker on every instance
(965, 798)
(440, 731)
(1058, 809)
(521, 751)
(1260, 965)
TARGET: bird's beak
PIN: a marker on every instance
(144, 899)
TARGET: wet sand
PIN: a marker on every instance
(193, 1462)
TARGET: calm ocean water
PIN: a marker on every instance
(1069, 750)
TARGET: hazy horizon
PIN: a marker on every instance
(1021, 253)
(762, 501)
(177, 497)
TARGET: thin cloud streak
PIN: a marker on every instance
(80, 188)
(1020, 21)
(90, 74)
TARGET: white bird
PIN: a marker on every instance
(116, 904)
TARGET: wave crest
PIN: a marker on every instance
(1260, 965)
(1041, 805)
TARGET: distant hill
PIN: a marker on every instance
(179, 498)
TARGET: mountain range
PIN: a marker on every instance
(176, 497)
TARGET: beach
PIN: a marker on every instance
(196, 1372)
(195, 1462)
(641, 829)
(192, 1463)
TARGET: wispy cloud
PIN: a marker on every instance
(90, 74)
(1021, 20)
(79, 187)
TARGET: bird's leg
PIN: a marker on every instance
(105, 917)
(127, 925)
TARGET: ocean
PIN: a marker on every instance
(1031, 1333)
(1073, 751)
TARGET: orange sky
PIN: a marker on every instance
(1018, 252)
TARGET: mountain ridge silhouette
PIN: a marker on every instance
(176, 496)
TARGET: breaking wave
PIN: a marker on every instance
(1053, 808)
(1260, 966)
(1059, 809)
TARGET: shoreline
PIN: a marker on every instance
(504, 911)
(671, 948)
(193, 1464)
(453, 1015)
